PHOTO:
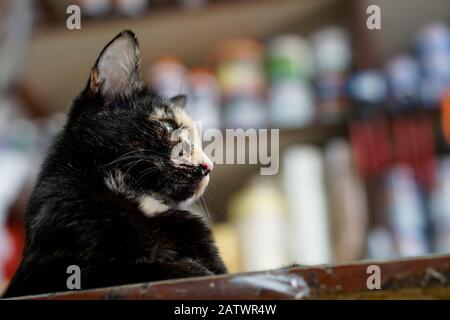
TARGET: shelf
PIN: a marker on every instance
(418, 278)
(59, 60)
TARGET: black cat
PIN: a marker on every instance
(110, 193)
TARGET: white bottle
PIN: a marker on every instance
(307, 207)
(258, 213)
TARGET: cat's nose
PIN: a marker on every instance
(206, 167)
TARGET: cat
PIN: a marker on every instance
(111, 194)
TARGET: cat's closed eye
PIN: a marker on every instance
(169, 125)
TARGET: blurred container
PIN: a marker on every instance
(332, 50)
(95, 8)
(404, 80)
(445, 116)
(290, 58)
(240, 71)
(433, 49)
(291, 98)
(348, 203)
(204, 99)
(368, 88)
(131, 7)
(227, 242)
(169, 77)
(406, 213)
(16, 19)
(303, 181)
(332, 99)
(240, 67)
(244, 112)
(333, 57)
(259, 214)
(440, 208)
(291, 104)
(380, 244)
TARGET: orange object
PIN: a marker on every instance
(445, 116)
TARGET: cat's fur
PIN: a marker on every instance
(109, 195)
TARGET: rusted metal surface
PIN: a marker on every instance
(401, 279)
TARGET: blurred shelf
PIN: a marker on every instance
(418, 278)
(59, 60)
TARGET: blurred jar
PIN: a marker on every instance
(368, 88)
(433, 49)
(95, 8)
(169, 77)
(291, 104)
(404, 81)
(332, 50)
(348, 202)
(131, 7)
(309, 222)
(440, 208)
(240, 71)
(259, 214)
(204, 99)
(227, 241)
(406, 213)
(291, 98)
(290, 57)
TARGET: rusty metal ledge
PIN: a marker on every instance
(419, 278)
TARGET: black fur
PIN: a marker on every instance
(73, 218)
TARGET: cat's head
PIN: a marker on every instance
(143, 146)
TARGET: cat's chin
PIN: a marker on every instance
(201, 187)
(199, 190)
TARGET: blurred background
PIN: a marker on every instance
(364, 116)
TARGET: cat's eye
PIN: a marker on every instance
(169, 125)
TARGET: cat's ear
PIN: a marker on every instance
(117, 69)
(178, 101)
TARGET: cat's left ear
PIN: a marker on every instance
(117, 69)
(179, 101)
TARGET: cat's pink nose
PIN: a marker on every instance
(206, 167)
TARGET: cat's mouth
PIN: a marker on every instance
(201, 186)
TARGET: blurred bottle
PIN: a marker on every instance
(303, 182)
(204, 99)
(348, 207)
(259, 214)
(131, 7)
(440, 208)
(240, 71)
(227, 241)
(404, 81)
(445, 116)
(406, 213)
(433, 49)
(380, 244)
(291, 98)
(368, 90)
(169, 77)
(95, 8)
(333, 56)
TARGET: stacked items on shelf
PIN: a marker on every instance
(250, 86)
(392, 204)
(102, 9)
